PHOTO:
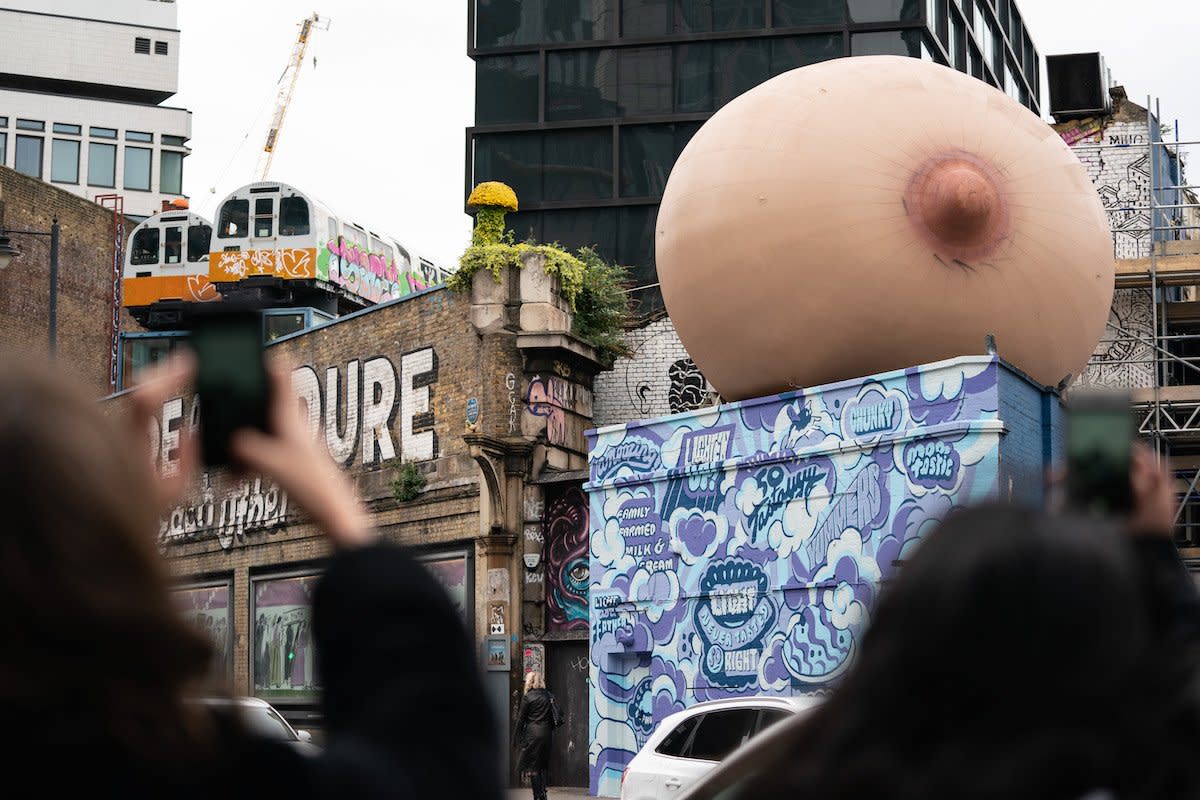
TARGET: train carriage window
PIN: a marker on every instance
(173, 245)
(333, 234)
(144, 249)
(199, 238)
(293, 217)
(264, 219)
(234, 221)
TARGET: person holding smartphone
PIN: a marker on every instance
(97, 658)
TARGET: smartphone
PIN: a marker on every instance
(231, 377)
(1099, 452)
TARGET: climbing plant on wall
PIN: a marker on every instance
(593, 288)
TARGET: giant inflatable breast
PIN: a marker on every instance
(867, 214)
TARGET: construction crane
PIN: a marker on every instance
(287, 87)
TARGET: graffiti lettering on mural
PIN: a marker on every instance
(1089, 130)
(733, 617)
(636, 455)
(856, 508)
(562, 370)
(1124, 358)
(535, 576)
(548, 398)
(775, 488)
(533, 533)
(249, 508)
(510, 383)
(705, 447)
(565, 531)
(689, 389)
(752, 577)
(534, 507)
(287, 262)
(535, 658)
(372, 276)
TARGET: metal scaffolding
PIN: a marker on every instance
(1164, 360)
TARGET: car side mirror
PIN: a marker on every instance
(305, 736)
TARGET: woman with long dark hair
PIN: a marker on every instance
(96, 661)
(1018, 654)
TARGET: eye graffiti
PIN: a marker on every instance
(565, 536)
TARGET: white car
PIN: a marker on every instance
(689, 743)
(261, 718)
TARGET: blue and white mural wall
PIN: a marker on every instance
(739, 549)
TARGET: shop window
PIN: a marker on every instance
(506, 89)
(208, 609)
(802, 13)
(293, 217)
(137, 168)
(170, 174)
(29, 156)
(102, 164)
(199, 239)
(144, 249)
(234, 219)
(283, 665)
(173, 245)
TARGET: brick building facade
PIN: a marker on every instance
(489, 397)
(85, 278)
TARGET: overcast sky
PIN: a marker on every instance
(376, 130)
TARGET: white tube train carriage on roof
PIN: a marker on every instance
(272, 239)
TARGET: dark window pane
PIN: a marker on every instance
(144, 249)
(581, 84)
(169, 141)
(674, 742)
(721, 732)
(793, 13)
(264, 223)
(525, 226)
(884, 10)
(3, 149)
(30, 125)
(585, 227)
(769, 716)
(506, 89)
(792, 52)
(738, 66)
(694, 77)
(648, 152)
(138, 136)
(29, 156)
(199, 238)
(703, 16)
(103, 133)
(64, 161)
(234, 221)
(580, 20)
(293, 217)
(645, 17)
(173, 245)
(279, 325)
(886, 43)
(170, 175)
(3, 122)
(515, 159)
(505, 22)
(635, 242)
(102, 164)
(137, 168)
(645, 81)
(70, 130)
(578, 165)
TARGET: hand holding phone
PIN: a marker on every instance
(1099, 452)
(231, 378)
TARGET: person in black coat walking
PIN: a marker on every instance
(96, 652)
(536, 721)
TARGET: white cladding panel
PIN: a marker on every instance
(71, 49)
(153, 13)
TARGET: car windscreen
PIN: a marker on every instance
(267, 722)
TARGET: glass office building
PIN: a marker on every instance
(582, 106)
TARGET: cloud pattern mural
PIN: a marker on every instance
(740, 549)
